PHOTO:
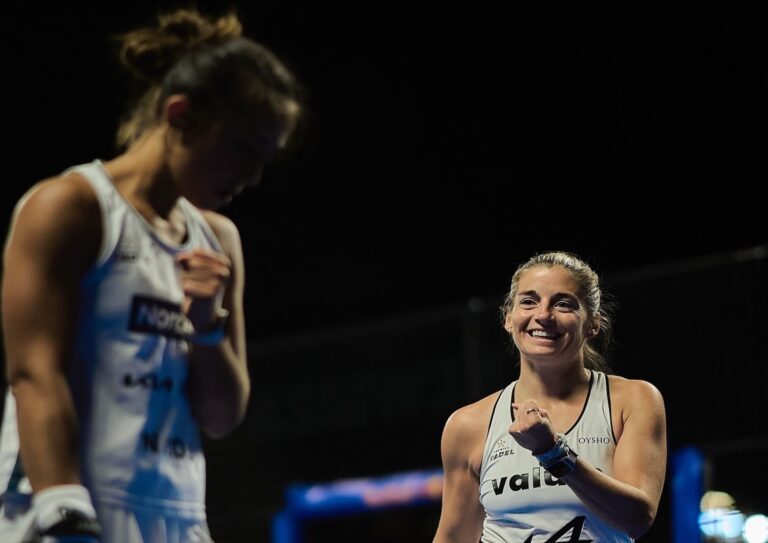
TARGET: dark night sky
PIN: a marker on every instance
(445, 145)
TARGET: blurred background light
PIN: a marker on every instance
(721, 523)
(756, 529)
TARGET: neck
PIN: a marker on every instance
(556, 382)
(141, 175)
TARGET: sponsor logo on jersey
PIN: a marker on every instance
(594, 440)
(149, 381)
(500, 450)
(524, 481)
(127, 250)
(155, 316)
(173, 446)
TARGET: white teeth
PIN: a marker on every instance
(543, 333)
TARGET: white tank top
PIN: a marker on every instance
(140, 446)
(522, 501)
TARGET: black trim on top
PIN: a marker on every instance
(511, 401)
(610, 409)
(490, 423)
(493, 412)
(586, 401)
(583, 408)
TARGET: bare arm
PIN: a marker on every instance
(219, 382)
(629, 500)
(53, 240)
(461, 517)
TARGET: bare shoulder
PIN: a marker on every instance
(466, 428)
(70, 194)
(226, 231)
(471, 415)
(57, 221)
(60, 207)
(632, 390)
(630, 395)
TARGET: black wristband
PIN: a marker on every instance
(75, 523)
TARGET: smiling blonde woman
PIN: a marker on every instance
(566, 448)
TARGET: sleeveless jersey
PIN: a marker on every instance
(522, 501)
(140, 447)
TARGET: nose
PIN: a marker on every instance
(544, 314)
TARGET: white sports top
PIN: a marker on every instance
(140, 446)
(523, 502)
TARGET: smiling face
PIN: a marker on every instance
(548, 320)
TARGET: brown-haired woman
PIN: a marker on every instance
(122, 296)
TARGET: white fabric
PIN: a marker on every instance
(523, 502)
(140, 446)
(48, 504)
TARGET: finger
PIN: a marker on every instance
(199, 293)
(197, 264)
(201, 289)
(533, 410)
(217, 273)
(203, 255)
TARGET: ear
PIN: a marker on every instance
(177, 111)
(594, 328)
(508, 322)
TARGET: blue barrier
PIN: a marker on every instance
(411, 489)
(687, 486)
(352, 496)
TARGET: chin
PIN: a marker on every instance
(543, 354)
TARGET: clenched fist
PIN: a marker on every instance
(532, 428)
(205, 275)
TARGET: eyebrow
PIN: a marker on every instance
(556, 295)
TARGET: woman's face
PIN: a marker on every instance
(548, 321)
(223, 158)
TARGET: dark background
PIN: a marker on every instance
(444, 146)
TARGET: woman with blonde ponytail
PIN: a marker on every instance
(565, 452)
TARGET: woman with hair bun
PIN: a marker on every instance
(122, 296)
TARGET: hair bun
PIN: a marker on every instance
(148, 53)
